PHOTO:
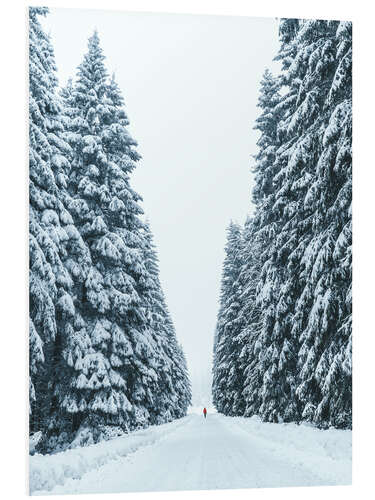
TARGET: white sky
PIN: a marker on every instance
(191, 85)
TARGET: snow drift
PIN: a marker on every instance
(327, 451)
(188, 454)
(47, 471)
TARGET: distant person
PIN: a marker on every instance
(204, 412)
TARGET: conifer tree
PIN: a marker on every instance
(227, 378)
(112, 367)
(300, 227)
(324, 309)
(296, 358)
(274, 346)
(102, 374)
(250, 320)
(54, 240)
(104, 357)
(172, 388)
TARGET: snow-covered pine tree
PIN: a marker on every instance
(266, 123)
(227, 382)
(299, 364)
(109, 382)
(274, 347)
(307, 76)
(258, 251)
(42, 286)
(249, 318)
(54, 239)
(103, 373)
(172, 391)
(182, 381)
(177, 371)
(323, 312)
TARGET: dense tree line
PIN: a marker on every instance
(104, 357)
(282, 345)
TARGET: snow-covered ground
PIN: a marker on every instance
(193, 453)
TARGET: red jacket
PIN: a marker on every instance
(204, 410)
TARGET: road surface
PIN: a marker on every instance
(213, 453)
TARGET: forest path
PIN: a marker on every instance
(214, 453)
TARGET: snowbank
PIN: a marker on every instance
(257, 454)
(327, 451)
(47, 471)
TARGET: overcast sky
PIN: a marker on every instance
(191, 85)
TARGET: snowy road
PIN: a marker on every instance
(217, 453)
